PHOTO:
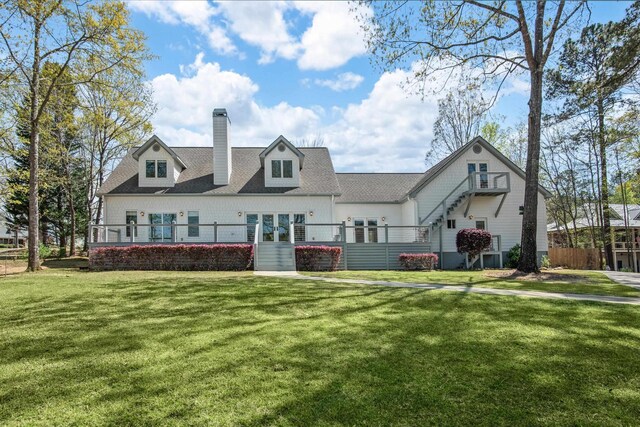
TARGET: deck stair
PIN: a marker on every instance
(275, 257)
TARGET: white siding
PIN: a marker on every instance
(508, 224)
(276, 154)
(149, 154)
(223, 209)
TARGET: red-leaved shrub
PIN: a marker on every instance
(418, 261)
(318, 258)
(219, 257)
(473, 241)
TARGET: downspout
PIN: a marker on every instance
(441, 250)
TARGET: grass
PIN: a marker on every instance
(566, 281)
(164, 348)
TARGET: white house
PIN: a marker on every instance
(294, 196)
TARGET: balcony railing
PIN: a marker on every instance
(133, 233)
(627, 245)
(489, 182)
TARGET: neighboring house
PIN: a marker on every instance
(9, 235)
(625, 228)
(294, 196)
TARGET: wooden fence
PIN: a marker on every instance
(578, 258)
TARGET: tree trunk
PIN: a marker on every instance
(604, 188)
(72, 219)
(528, 262)
(33, 263)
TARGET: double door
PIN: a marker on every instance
(274, 227)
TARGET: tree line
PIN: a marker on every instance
(74, 98)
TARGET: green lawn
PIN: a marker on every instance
(163, 348)
(569, 281)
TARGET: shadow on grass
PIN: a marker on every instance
(230, 350)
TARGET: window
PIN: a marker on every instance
(451, 223)
(193, 218)
(481, 224)
(156, 169)
(164, 231)
(131, 216)
(151, 168)
(162, 168)
(299, 230)
(283, 228)
(287, 168)
(359, 230)
(372, 230)
(276, 169)
(281, 168)
(267, 228)
(368, 233)
(482, 178)
(252, 220)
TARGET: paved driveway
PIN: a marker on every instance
(629, 279)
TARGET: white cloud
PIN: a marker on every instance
(185, 104)
(333, 38)
(330, 41)
(197, 14)
(388, 131)
(344, 81)
(262, 24)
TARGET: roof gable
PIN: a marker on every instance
(444, 163)
(274, 144)
(155, 140)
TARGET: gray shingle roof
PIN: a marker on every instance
(317, 177)
(375, 187)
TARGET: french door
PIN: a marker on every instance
(275, 227)
(161, 233)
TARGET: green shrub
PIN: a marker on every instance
(544, 262)
(513, 256)
(45, 251)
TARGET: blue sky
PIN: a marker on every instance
(299, 69)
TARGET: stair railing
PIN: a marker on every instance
(255, 245)
(443, 203)
(292, 238)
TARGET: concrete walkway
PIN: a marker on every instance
(627, 279)
(467, 289)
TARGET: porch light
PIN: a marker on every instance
(384, 219)
(349, 219)
(310, 213)
(181, 213)
(142, 213)
(239, 213)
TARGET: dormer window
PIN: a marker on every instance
(281, 168)
(156, 168)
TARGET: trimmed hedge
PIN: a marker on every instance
(418, 261)
(473, 241)
(220, 257)
(317, 258)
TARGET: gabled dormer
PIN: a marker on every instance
(281, 162)
(158, 165)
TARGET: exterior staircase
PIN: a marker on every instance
(275, 257)
(450, 208)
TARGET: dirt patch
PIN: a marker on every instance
(543, 276)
